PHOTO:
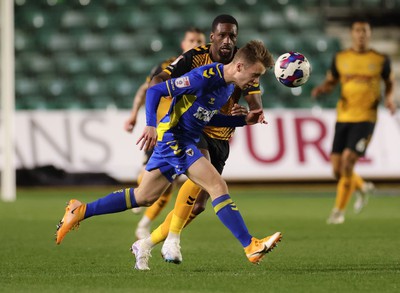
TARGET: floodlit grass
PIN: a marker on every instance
(363, 255)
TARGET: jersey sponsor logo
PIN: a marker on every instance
(208, 72)
(211, 101)
(204, 114)
(182, 82)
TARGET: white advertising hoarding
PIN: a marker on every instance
(295, 144)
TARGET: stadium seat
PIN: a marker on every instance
(89, 86)
(23, 42)
(122, 42)
(101, 102)
(168, 19)
(25, 86)
(53, 86)
(67, 102)
(36, 63)
(134, 19)
(72, 19)
(300, 20)
(70, 64)
(33, 19)
(281, 41)
(321, 43)
(121, 85)
(138, 66)
(55, 42)
(270, 20)
(32, 102)
(103, 64)
(89, 43)
(99, 18)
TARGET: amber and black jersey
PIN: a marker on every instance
(165, 104)
(360, 76)
(200, 56)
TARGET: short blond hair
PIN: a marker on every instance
(253, 52)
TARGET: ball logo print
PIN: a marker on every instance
(292, 69)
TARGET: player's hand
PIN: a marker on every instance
(317, 91)
(130, 123)
(391, 106)
(239, 110)
(255, 116)
(148, 139)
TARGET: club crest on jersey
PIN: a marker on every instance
(182, 82)
(190, 152)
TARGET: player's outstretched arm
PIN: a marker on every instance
(252, 117)
(389, 94)
(162, 76)
(138, 102)
(326, 87)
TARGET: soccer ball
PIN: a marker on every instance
(292, 69)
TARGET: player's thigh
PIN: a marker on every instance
(153, 184)
(359, 136)
(207, 177)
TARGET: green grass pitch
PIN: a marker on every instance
(363, 255)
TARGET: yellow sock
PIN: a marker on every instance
(161, 232)
(359, 182)
(184, 205)
(345, 189)
(155, 209)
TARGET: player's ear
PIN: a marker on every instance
(239, 66)
(211, 37)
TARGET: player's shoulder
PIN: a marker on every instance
(379, 54)
(344, 52)
(167, 62)
(210, 70)
(196, 51)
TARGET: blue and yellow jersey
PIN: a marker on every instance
(200, 56)
(360, 76)
(197, 97)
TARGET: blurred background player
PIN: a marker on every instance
(214, 143)
(193, 37)
(359, 70)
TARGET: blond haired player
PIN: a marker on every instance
(193, 37)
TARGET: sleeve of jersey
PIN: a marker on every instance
(386, 70)
(180, 66)
(227, 121)
(255, 89)
(153, 97)
(334, 70)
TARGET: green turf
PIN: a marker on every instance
(363, 255)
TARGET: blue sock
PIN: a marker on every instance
(230, 216)
(115, 202)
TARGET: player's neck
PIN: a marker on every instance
(360, 49)
(229, 70)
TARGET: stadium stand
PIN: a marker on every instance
(93, 54)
